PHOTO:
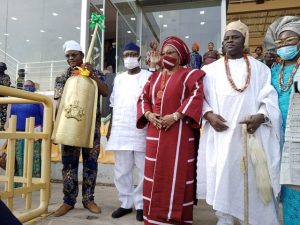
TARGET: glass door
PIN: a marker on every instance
(97, 55)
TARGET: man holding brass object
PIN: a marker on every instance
(77, 126)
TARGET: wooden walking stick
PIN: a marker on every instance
(244, 166)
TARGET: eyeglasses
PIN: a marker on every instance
(167, 53)
(287, 41)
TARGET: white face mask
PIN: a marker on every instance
(131, 62)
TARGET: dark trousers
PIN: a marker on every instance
(6, 216)
(3, 114)
(70, 160)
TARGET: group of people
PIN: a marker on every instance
(196, 59)
(156, 121)
(22, 111)
(157, 116)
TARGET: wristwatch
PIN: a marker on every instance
(175, 117)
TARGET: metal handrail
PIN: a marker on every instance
(29, 184)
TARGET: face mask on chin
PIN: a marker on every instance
(131, 62)
(169, 62)
(288, 52)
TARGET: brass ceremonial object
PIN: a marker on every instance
(76, 117)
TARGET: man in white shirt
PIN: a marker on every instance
(235, 87)
(128, 142)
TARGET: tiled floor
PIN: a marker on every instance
(107, 198)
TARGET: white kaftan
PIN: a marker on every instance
(290, 169)
(124, 134)
(128, 142)
(219, 177)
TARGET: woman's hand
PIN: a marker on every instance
(154, 118)
(167, 121)
(170, 119)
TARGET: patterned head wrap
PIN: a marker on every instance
(240, 27)
(284, 23)
(180, 47)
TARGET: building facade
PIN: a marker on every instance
(33, 31)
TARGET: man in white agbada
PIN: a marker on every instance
(128, 142)
(237, 90)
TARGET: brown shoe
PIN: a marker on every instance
(92, 207)
(62, 210)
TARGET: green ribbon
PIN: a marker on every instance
(97, 19)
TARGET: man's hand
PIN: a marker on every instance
(89, 67)
(216, 121)
(253, 122)
(102, 87)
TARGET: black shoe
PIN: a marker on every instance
(139, 215)
(120, 212)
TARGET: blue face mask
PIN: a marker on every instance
(288, 52)
(29, 88)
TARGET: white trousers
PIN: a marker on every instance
(124, 165)
(226, 219)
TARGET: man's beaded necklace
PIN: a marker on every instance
(229, 77)
(285, 87)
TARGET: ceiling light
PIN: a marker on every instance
(54, 14)
(14, 18)
(187, 37)
(202, 12)
(129, 32)
(78, 28)
(132, 18)
(202, 23)
(165, 25)
(160, 16)
(42, 31)
(6, 34)
(27, 40)
(59, 37)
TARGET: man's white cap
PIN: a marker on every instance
(71, 45)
